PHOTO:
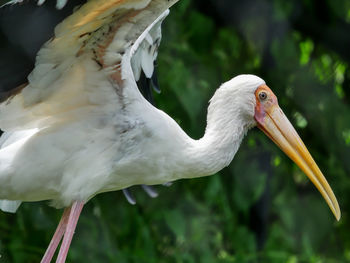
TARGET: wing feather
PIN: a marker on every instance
(111, 41)
(9, 205)
(107, 32)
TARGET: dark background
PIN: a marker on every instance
(261, 208)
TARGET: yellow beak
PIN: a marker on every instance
(276, 126)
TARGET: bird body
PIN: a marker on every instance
(80, 126)
(72, 132)
(95, 148)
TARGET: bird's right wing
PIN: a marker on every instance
(108, 32)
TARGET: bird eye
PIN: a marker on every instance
(262, 96)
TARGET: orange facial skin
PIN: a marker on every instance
(262, 106)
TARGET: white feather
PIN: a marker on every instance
(59, 4)
(147, 59)
(12, 2)
(40, 2)
(9, 206)
(144, 51)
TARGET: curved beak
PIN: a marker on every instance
(277, 127)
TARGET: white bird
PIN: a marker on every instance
(80, 126)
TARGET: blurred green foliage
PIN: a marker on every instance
(261, 208)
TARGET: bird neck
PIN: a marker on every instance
(224, 133)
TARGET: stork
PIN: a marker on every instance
(80, 126)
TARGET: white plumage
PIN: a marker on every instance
(81, 126)
(71, 112)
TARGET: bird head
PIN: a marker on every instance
(259, 106)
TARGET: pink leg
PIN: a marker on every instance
(61, 228)
(68, 235)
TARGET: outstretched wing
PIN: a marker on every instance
(120, 36)
(109, 33)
